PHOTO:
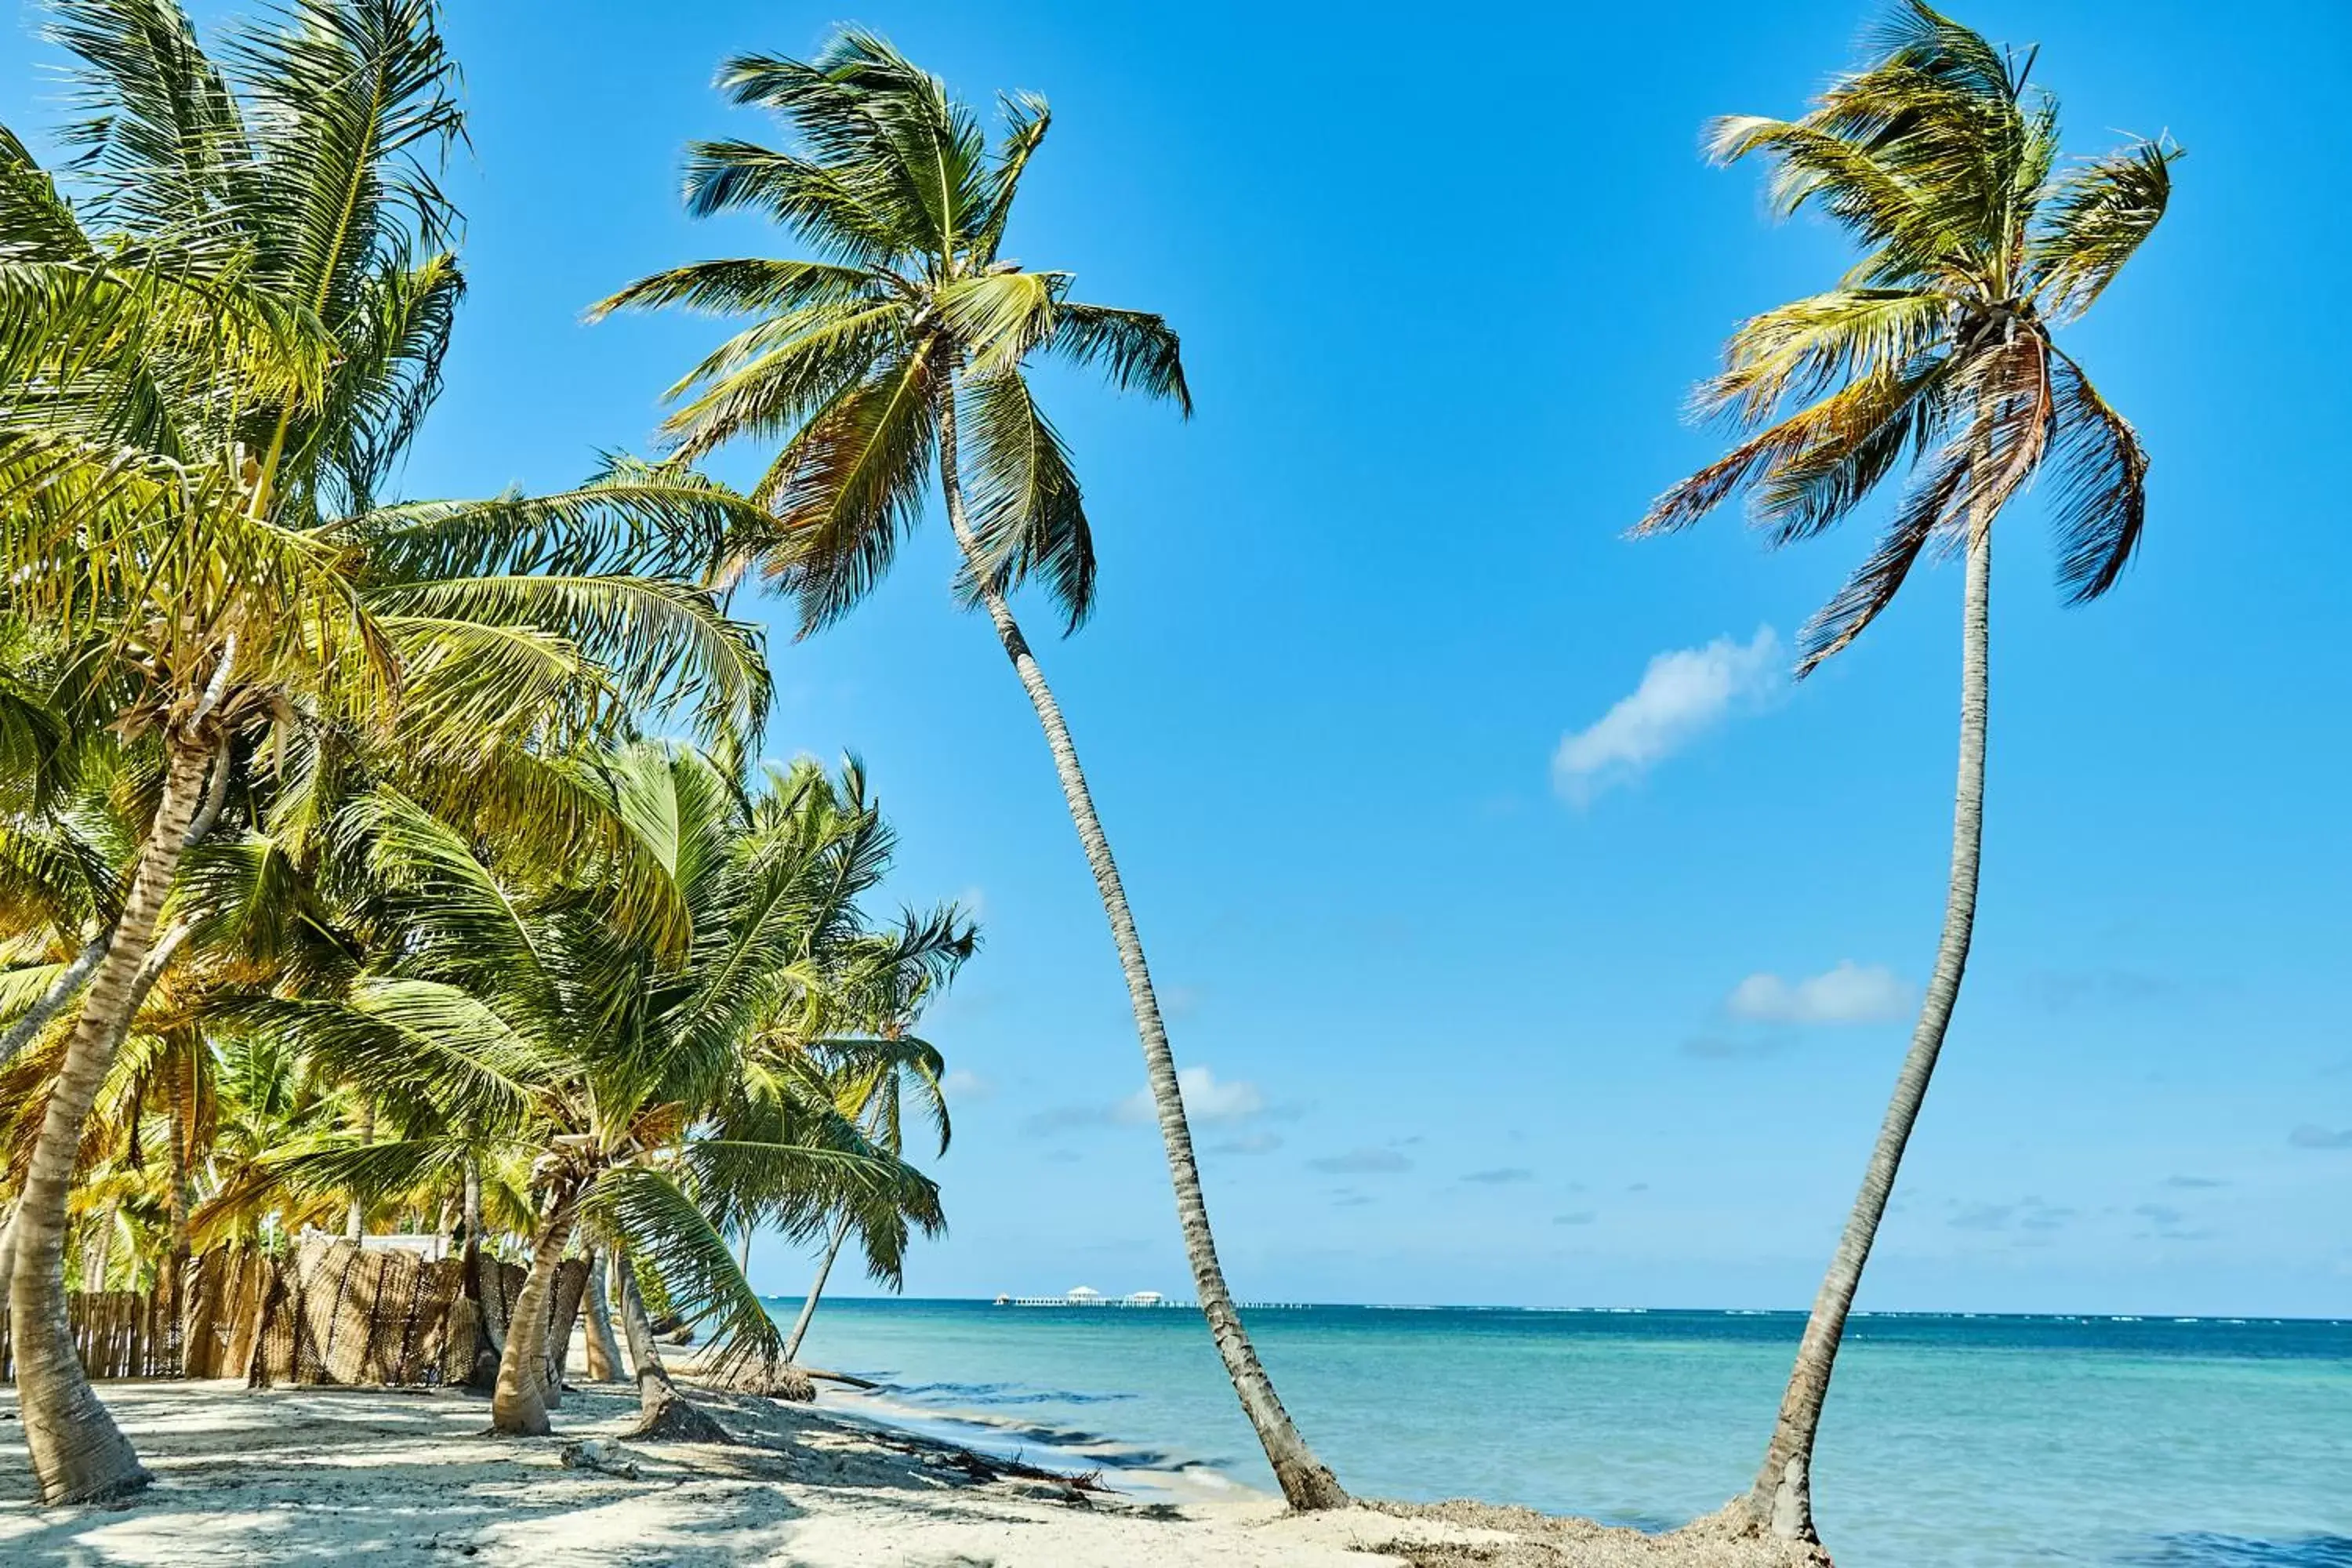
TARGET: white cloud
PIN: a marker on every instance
(966, 1085)
(1850, 994)
(1683, 694)
(1205, 1099)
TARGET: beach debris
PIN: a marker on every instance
(1071, 1489)
(772, 1380)
(822, 1375)
(604, 1455)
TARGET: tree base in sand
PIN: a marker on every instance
(671, 1419)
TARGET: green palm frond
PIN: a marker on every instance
(1026, 117)
(436, 1051)
(1027, 511)
(2094, 222)
(749, 286)
(1000, 318)
(1808, 346)
(770, 379)
(2101, 500)
(668, 1234)
(162, 137)
(650, 644)
(850, 485)
(1135, 349)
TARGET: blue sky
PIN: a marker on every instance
(1528, 937)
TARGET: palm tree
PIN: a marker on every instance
(215, 353)
(870, 1080)
(1937, 350)
(597, 1027)
(910, 338)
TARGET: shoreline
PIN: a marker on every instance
(289, 1476)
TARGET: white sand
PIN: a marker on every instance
(330, 1476)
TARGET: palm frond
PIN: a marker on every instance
(1135, 349)
(1028, 514)
(2094, 222)
(667, 1232)
(2101, 501)
(849, 486)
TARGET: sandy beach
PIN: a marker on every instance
(288, 1476)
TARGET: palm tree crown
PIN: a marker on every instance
(1936, 346)
(853, 359)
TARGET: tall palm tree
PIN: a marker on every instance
(217, 350)
(909, 340)
(1936, 351)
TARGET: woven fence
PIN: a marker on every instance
(117, 1333)
(333, 1314)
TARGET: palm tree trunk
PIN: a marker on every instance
(1782, 1497)
(817, 1289)
(172, 1282)
(470, 1209)
(78, 1454)
(98, 1251)
(604, 1350)
(662, 1410)
(1306, 1481)
(519, 1406)
(53, 1000)
(355, 1215)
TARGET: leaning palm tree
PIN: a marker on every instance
(1935, 350)
(911, 339)
(217, 346)
(871, 1077)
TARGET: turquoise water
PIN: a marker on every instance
(1949, 1442)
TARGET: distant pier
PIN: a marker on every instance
(1140, 1301)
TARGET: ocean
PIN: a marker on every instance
(1949, 1441)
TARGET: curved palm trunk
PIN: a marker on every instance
(662, 1410)
(604, 1350)
(78, 1454)
(519, 1404)
(817, 1289)
(53, 1000)
(1306, 1481)
(1782, 1497)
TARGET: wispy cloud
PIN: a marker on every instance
(1850, 994)
(1205, 1098)
(967, 1086)
(2194, 1181)
(1362, 1163)
(1501, 1175)
(2167, 1223)
(1683, 694)
(1060, 1118)
(1575, 1217)
(2307, 1136)
(2063, 989)
(1249, 1144)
